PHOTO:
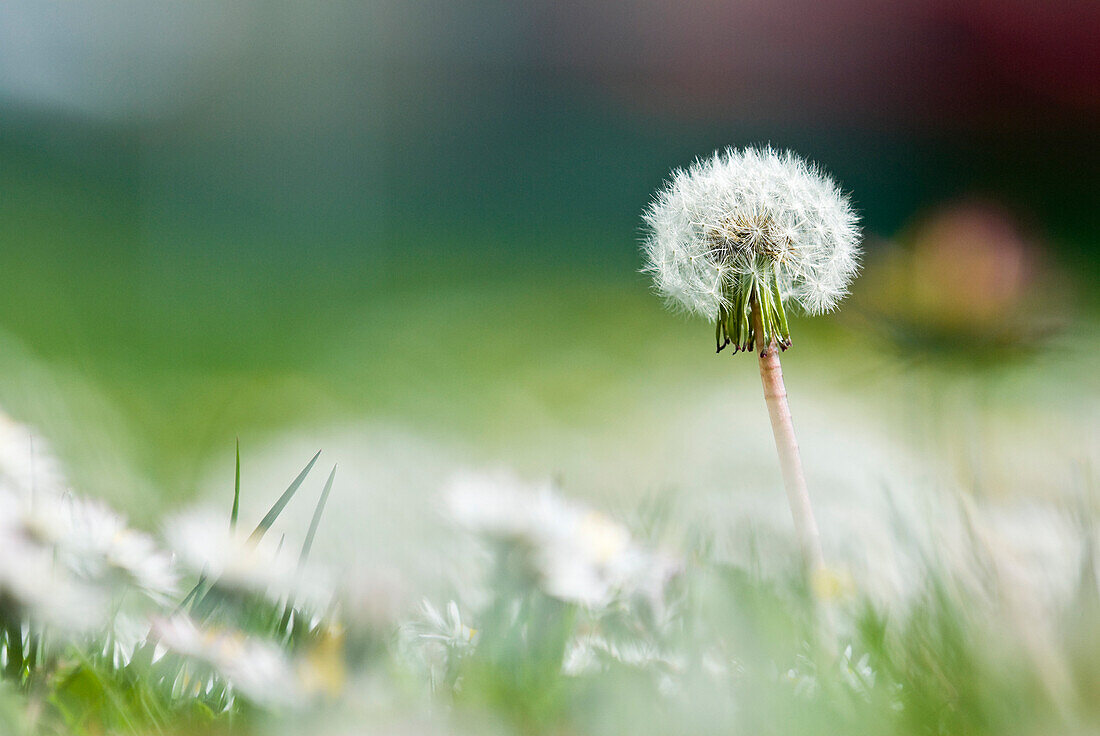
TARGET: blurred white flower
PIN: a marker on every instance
(127, 634)
(857, 674)
(581, 658)
(372, 597)
(434, 639)
(27, 462)
(578, 555)
(803, 677)
(448, 629)
(34, 583)
(95, 543)
(63, 556)
(745, 222)
(256, 669)
(232, 560)
(98, 543)
(588, 654)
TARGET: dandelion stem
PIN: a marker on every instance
(790, 462)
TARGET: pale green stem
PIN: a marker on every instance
(790, 462)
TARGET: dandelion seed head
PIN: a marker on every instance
(743, 212)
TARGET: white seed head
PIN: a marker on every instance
(743, 214)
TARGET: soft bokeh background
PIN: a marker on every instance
(405, 232)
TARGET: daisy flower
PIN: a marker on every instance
(436, 639)
(256, 669)
(229, 558)
(576, 554)
(99, 544)
(34, 584)
(27, 462)
(57, 541)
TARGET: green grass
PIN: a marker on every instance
(143, 348)
(723, 648)
(143, 360)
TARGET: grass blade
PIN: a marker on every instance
(236, 491)
(284, 623)
(316, 520)
(284, 499)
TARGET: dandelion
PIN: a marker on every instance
(738, 237)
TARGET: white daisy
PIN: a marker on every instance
(231, 559)
(577, 554)
(65, 553)
(436, 639)
(98, 543)
(448, 629)
(257, 669)
(587, 654)
(35, 585)
(27, 462)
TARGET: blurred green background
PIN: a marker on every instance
(260, 217)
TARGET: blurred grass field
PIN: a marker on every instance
(162, 296)
(406, 234)
(143, 359)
